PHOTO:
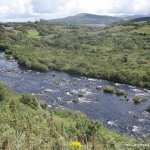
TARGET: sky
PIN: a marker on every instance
(25, 10)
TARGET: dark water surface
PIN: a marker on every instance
(61, 90)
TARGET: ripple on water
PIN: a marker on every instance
(84, 100)
(136, 129)
(141, 120)
(112, 123)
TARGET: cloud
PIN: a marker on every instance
(48, 9)
(47, 6)
(13, 9)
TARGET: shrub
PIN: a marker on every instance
(137, 99)
(39, 66)
(43, 104)
(120, 92)
(109, 89)
(4, 91)
(29, 100)
(3, 47)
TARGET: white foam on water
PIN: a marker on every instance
(69, 102)
(84, 100)
(83, 91)
(131, 112)
(68, 93)
(59, 98)
(142, 94)
(130, 86)
(145, 113)
(91, 79)
(117, 84)
(86, 91)
(136, 129)
(49, 106)
(137, 90)
(112, 123)
(76, 79)
(49, 90)
(141, 120)
(74, 91)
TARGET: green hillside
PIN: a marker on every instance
(85, 19)
(26, 123)
(140, 19)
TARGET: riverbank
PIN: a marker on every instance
(27, 123)
(110, 76)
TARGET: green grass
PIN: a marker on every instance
(139, 99)
(33, 34)
(145, 29)
(26, 123)
(110, 89)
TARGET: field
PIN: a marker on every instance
(32, 34)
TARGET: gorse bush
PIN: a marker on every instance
(29, 100)
(109, 89)
(4, 91)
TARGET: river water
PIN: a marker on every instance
(61, 90)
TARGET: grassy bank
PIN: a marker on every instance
(27, 123)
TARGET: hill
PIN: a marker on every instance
(85, 19)
(140, 19)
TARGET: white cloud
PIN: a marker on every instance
(36, 9)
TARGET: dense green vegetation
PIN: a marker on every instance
(139, 99)
(117, 53)
(33, 34)
(109, 89)
(27, 123)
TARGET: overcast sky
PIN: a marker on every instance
(24, 10)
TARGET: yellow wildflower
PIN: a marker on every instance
(76, 144)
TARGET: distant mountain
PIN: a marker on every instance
(88, 19)
(127, 18)
(140, 19)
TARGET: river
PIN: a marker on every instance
(61, 90)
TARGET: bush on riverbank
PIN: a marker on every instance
(29, 100)
(139, 99)
(26, 125)
(4, 91)
(110, 89)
